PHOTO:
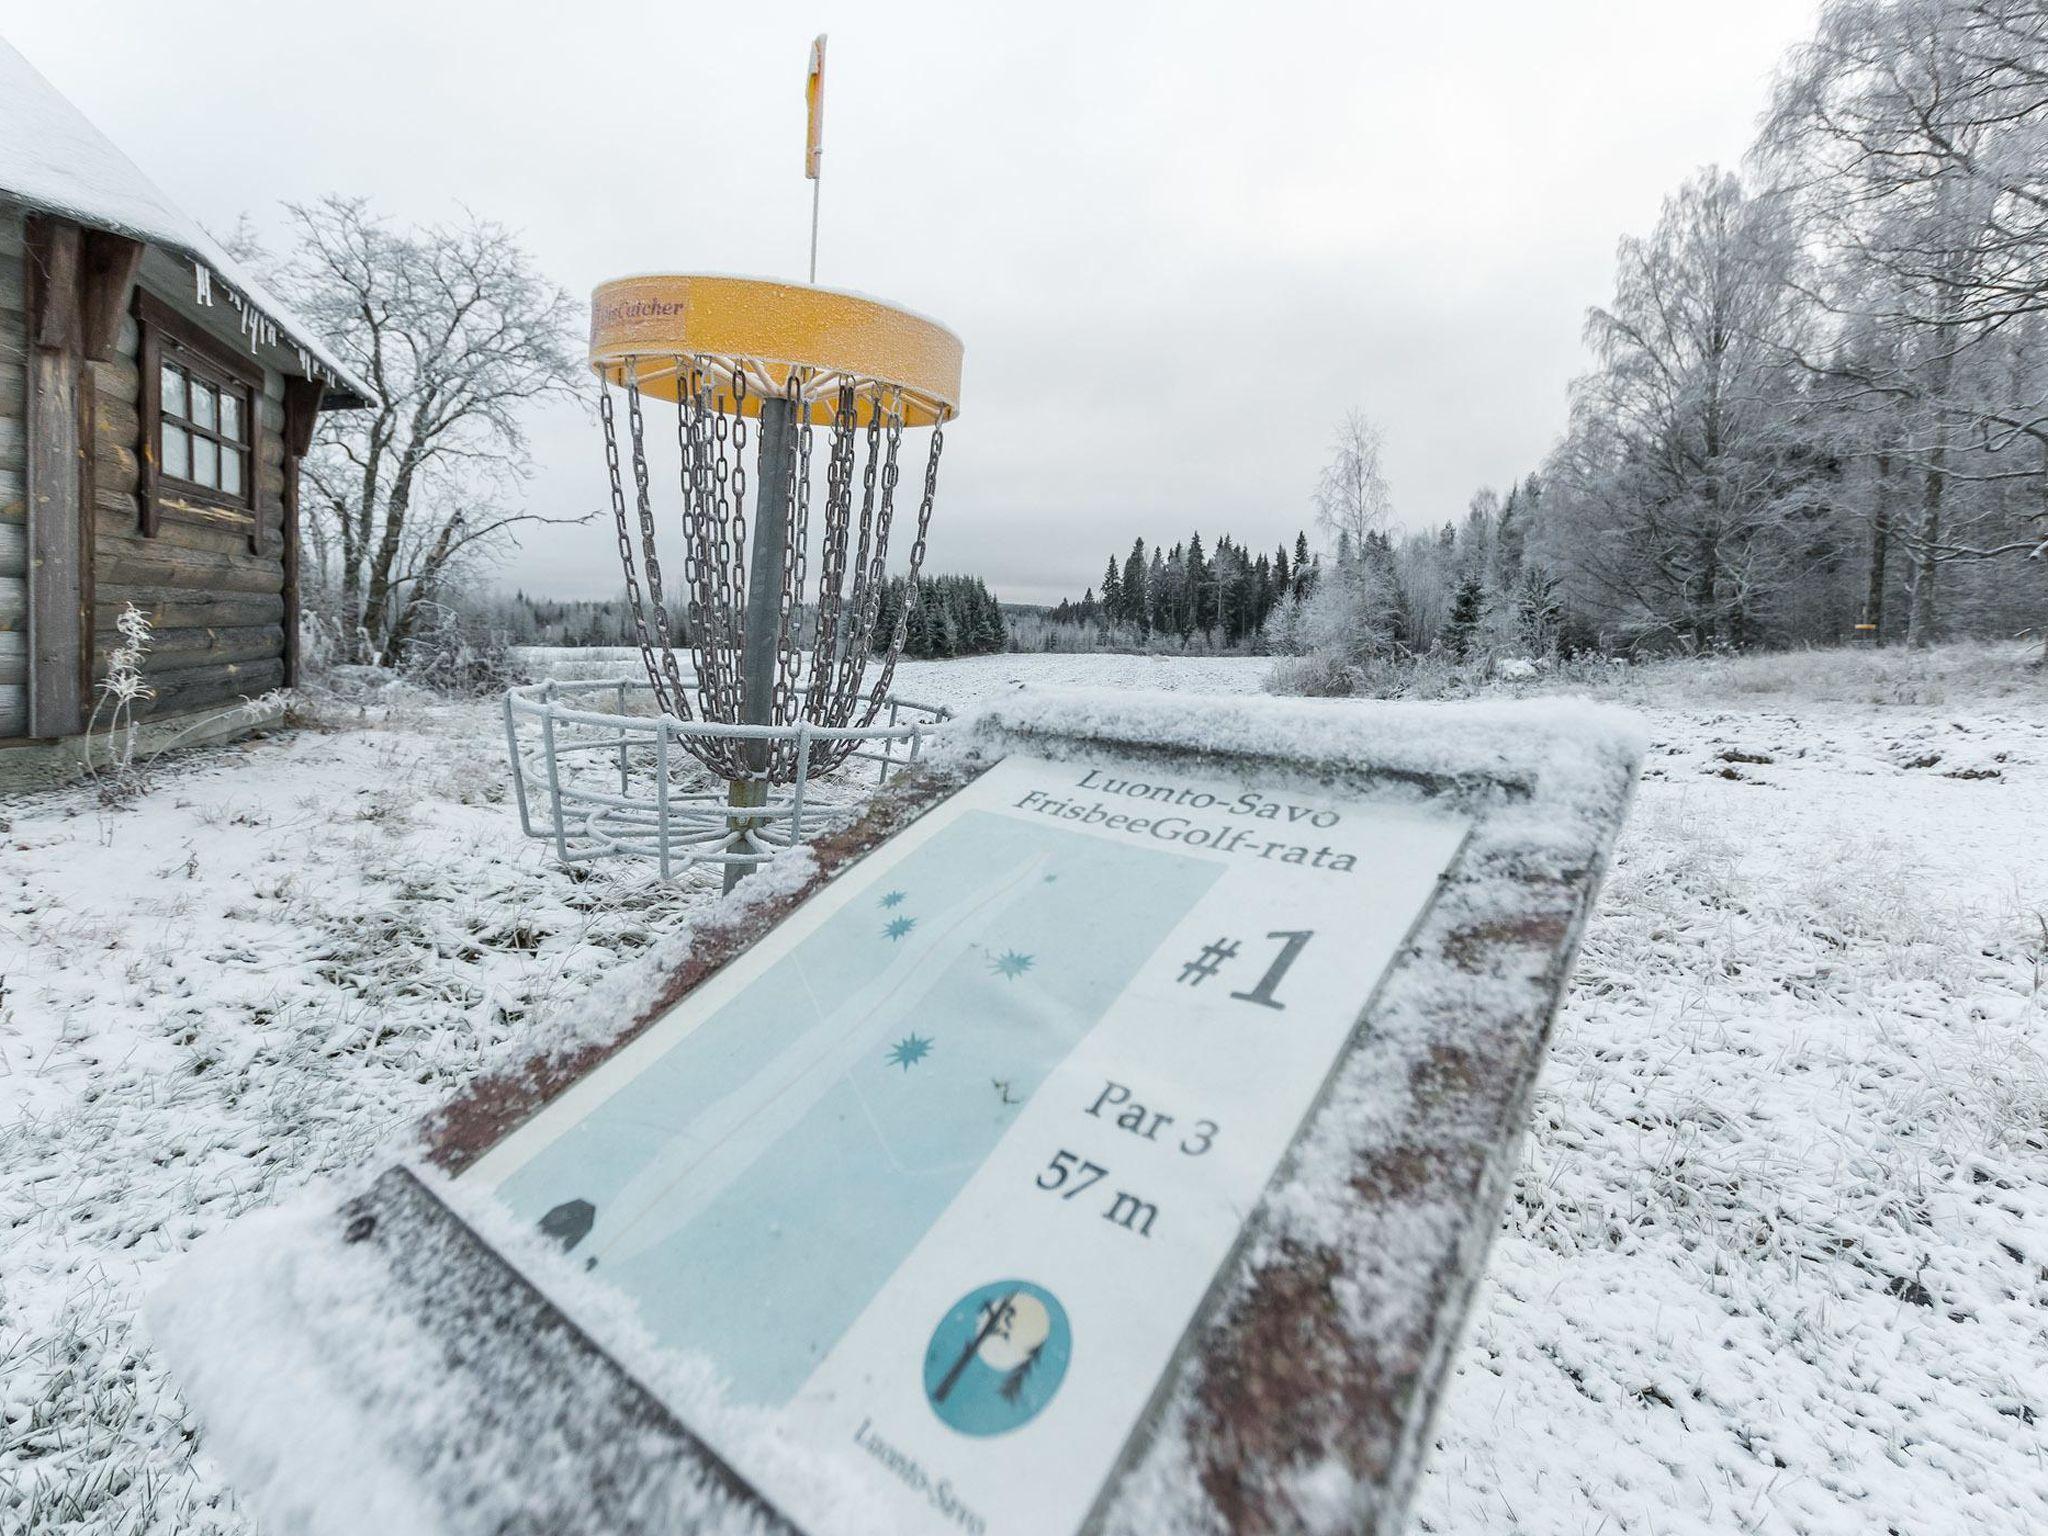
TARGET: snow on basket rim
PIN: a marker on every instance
(55, 160)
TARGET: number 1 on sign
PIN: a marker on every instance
(1262, 994)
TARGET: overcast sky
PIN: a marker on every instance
(1179, 240)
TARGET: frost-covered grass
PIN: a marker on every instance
(1776, 1260)
(1778, 1257)
(1974, 673)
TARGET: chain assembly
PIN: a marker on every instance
(832, 668)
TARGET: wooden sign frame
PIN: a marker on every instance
(1311, 1350)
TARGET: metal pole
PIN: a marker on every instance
(817, 181)
(518, 771)
(760, 647)
(624, 788)
(661, 789)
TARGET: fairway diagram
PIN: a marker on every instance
(786, 1153)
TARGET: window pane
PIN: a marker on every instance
(174, 392)
(231, 416)
(177, 452)
(205, 460)
(230, 469)
(203, 401)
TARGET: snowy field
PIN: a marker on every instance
(1777, 1260)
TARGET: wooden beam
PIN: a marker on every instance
(184, 688)
(187, 608)
(54, 252)
(301, 410)
(109, 263)
(148, 406)
(87, 416)
(60, 482)
(175, 649)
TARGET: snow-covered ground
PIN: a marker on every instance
(1777, 1261)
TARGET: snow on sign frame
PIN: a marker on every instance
(1106, 1134)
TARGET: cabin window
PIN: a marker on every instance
(199, 405)
(203, 429)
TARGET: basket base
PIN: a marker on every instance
(599, 783)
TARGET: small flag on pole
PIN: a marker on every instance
(814, 102)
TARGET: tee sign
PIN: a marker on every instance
(942, 1168)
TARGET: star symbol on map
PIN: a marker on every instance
(1011, 964)
(893, 899)
(909, 1051)
(898, 927)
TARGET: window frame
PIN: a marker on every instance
(166, 336)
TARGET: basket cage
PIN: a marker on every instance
(767, 638)
(600, 770)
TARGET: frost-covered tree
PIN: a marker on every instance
(1357, 609)
(1679, 483)
(1911, 137)
(460, 335)
(1137, 606)
(1113, 604)
(1462, 627)
(1352, 497)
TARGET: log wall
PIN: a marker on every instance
(13, 479)
(216, 610)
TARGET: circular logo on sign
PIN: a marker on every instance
(997, 1357)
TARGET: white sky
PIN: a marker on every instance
(1180, 241)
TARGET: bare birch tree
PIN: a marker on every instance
(1677, 478)
(1912, 136)
(1352, 498)
(461, 336)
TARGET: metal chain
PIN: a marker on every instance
(924, 523)
(611, 462)
(823, 701)
(719, 655)
(692, 472)
(795, 560)
(740, 553)
(867, 565)
(675, 701)
(823, 656)
(707, 496)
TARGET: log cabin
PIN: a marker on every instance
(155, 403)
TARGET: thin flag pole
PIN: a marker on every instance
(814, 136)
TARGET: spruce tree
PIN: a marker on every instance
(916, 636)
(1463, 624)
(1135, 611)
(888, 604)
(1196, 581)
(938, 633)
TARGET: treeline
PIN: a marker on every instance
(1180, 598)
(525, 620)
(1473, 589)
(1819, 401)
(950, 616)
(1818, 405)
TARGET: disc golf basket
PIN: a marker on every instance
(762, 672)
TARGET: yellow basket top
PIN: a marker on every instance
(642, 327)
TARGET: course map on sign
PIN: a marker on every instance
(942, 1167)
